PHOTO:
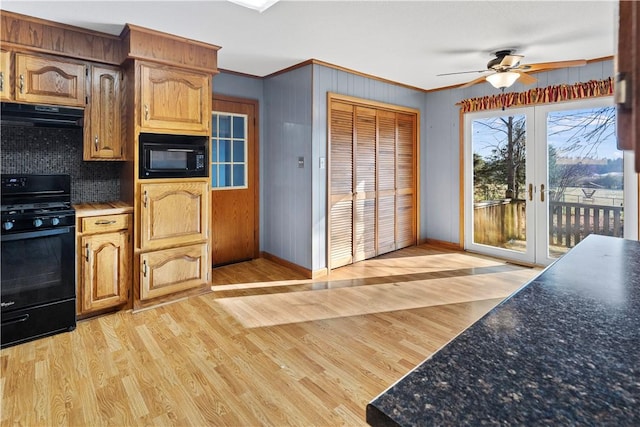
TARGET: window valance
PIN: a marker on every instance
(558, 93)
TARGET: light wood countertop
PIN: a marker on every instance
(103, 208)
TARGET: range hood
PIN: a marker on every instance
(40, 115)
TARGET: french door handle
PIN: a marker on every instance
(530, 192)
(542, 192)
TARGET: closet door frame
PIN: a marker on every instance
(359, 102)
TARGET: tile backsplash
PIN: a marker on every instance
(41, 150)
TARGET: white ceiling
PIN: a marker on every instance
(409, 42)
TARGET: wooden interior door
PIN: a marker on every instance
(235, 210)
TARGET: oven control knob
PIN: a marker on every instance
(55, 221)
(7, 225)
(37, 222)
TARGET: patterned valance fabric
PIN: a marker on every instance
(564, 92)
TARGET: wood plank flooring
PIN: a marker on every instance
(265, 348)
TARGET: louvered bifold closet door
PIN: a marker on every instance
(341, 185)
(405, 180)
(386, 172)
(364, 210)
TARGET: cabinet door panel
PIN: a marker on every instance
(47, 81)
(103, 132)
(173, 214)
(104, 270)
(172, 270)
(5, 75)
(174, 99)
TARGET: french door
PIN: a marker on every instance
(538, 180)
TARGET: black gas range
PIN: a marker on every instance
(37, 285)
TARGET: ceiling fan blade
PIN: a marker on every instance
(462, 72)
(551, 65)
(473, 82)
(525, 78)
(510, 61)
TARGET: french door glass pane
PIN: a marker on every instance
(585, 177)
(499, 193)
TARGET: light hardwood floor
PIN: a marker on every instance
(266, 347)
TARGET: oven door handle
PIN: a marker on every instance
(35, 234)
(20, 319)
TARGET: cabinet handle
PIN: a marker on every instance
(146, 111)
(21, 85)
(1, 81)
(542, 192)
(144, 268)
(86, 253)
(95, 142)
(530, 192)
(105, 222)
(144, 199)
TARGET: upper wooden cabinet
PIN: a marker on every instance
(173, 214)
(103, 137)
(173, 99)
(44, 80)
(5, 75)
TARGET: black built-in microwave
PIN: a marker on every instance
(172, 156)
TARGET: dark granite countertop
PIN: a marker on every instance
(562, 350)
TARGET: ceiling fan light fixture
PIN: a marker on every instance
(259, 5)
(503, 79)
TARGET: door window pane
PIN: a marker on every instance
(229, 151)
(238, 175)
(238, 151)
(224, 150)
(224, 127)
(238, 126)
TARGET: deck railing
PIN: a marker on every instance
(569, 223)
(501, 221)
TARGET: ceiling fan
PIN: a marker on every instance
(505, 69)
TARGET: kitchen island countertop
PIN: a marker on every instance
(562, 350)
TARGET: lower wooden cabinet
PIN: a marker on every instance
(172, 270)
(104, 268)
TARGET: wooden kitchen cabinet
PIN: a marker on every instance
(628, 84)
(103, 138)
(104, 261)
(174, 100)
(173, 213)
(173, 270)
(5, 75)
(44, 80)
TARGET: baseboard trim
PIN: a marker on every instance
(443, 244)
(297, 268)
